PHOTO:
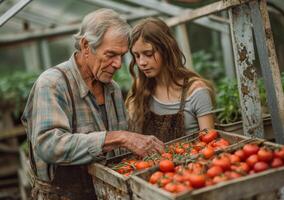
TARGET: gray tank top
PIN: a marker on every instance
(196, 105)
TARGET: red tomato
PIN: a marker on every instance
(166, 166)
(164, 181)
(234, 158)
(186, 146)
(220, 143)
(219, 179)
(186, 176)
(264, 154)
(155, 177)
(124, 169)
(178, 178)
(170, 187)
(197, 181)
(139, 165)
(279, 153)
(233, 175)
(214, 171)
(193, 152)
(241, 154)
(260, 166)
(169, 175)
(250, 149)
(179, 150)
(198, 146)
(277, 162)
(209, 136)
(196, 167)
(168, 156)
(207, 152)
(223, 162)
(179, 169)
(251, 160)
(241, 167)
(181, 188)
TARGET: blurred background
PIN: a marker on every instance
(39, 36)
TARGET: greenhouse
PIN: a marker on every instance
(152, 99)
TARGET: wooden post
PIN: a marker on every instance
(242, 40)
(269, 66)
(45, 53)
(31, 57)
(227, 50)
(183, 41)
(228, 55)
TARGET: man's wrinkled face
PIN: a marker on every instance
(107, 58)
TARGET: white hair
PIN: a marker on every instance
(95, 25)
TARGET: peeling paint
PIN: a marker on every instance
(249, 72)
(243, 54)
(244, 89)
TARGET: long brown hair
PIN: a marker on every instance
(158, 34)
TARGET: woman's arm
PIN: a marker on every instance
(206, 121)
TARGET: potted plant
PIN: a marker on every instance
(229, 117)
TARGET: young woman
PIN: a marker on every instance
(167, 99)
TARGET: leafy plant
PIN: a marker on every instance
(123, 78)
(14, 90)
(228, 99)
(206, 66)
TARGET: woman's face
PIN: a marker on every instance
(147, 58)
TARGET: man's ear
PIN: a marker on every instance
(84, 45)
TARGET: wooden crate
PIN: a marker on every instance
(237, 127)
(264, 185)
(109, 184)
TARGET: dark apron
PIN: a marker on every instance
(166, 127)
(69, 182)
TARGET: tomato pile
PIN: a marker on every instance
(205, 145)
(251, 158)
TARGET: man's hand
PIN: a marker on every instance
(141, 145)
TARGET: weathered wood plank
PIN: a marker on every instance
(8, 182)
(107, 191)
(246, 73)
(12, 132)
(190, 15)
(173, 10)
(109, 176)
(269, 66)
(9, 39)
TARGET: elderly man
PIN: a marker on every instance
(75, 112)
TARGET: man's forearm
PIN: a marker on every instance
(113, 139)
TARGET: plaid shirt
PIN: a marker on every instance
(48, 119)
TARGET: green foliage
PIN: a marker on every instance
(14, 90)
(123, 78)
(205, 65)
(228, 99)
(25, 147)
